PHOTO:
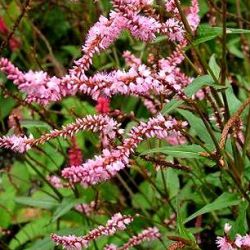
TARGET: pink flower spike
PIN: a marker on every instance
(111, 247)
(223, 244)
(173, 28)
(71, 242)
(16, 143)
(128, 6)
(12, 72)
(40, 88)
(193, 15)
(103, 105)
(143, 28)
(130, 59)
(148, 234)
(171, 62)
(111, 161)
(100, 37)
(171, 7)
(86, 209)
(242, 241)
(55, 181)
(96, 123)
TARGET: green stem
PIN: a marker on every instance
(29, 160)
(247, 137)
(116, 57)
(224, 57)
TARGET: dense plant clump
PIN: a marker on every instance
(142, 142)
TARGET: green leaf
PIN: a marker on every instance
(139, 201)
(72, 50)
(191, 89)
(237, 31)
(180, 224)
(44, 244)
(207, 33)
(6, 208)
(6, 105)
(107, 66)
(31, 231)
(34, 124)
(180, 151)
(171, 181)
(234, 47)
(105, 192)
(224, 201)
(214, 66)
(207, 30)
(197, 125)
(14, 9)
(81, 108)
(159, 39)
(65, 206)
(47, 244)
(146, 198)
(52, 158)
(234, 102)
(45, 203)
(202, 40)
(240, 225)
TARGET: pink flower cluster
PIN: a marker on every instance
(138, 80)
(107, 165)
(71, 242)
(171, 7)
(100, 37)
(240, 242)
(86, 209)
(136, 16)
(16, 143)
(152, 104)
(243, 242)
(148, 234)
(55, 181)
(130, 59)
(193, 15)
(170, 63)
(174, 82)
(38, 86)
(107, 126)
(140, 26)
(107, 30)
(173, 28)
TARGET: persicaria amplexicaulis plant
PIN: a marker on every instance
(150, 149)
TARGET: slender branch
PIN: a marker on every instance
(234, 118)
(16, 24)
